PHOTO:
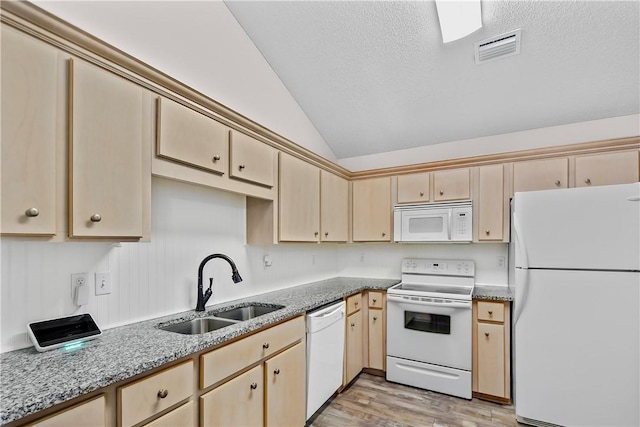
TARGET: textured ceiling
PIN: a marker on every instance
(374, 76)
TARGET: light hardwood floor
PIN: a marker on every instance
(372, 401)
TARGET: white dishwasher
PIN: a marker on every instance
(325, 354)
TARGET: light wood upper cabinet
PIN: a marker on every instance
(286, 388)
(238, 402)
(452, 184)
(540, 174)
(607, 169)
(299, 200)
(334, 208)
(29, 105)
(105, 154)
(372, 210)
(491, 203)
(189, 137)
(251, 160)
(413, 188)
(90, 413)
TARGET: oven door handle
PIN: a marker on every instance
(429, 303)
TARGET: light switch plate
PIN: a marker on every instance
(103, 283)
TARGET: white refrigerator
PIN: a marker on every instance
(577, 306)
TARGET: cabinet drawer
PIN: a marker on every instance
(142, 399)
(91, 413)
(251, 160)
(493, 311)
(225, 361)
(179, 417)
(354, 303)
(375, 299)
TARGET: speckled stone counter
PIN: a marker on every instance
(32, 381)
(495, 293)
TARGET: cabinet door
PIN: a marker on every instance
(251, 160)
(192, 138)
(491, 369)
(29, 105)
(334, 208)
(238, 402)
(179, 417)
(299, 200)
(540, 175)
(451, 185)
(607, 169)
(413, 188)
(354, 346)
(491, 203)
(376, 339)
(372, 210)
(106, 165)
(286, 388)
(86, 414)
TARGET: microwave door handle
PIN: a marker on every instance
(450, 226)
(427, 303)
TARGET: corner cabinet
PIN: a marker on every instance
(491, 350)
(29, 121)
(106, 148)
(372, 210)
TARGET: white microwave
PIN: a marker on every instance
(433, 222)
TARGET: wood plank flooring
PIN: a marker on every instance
(372, 401)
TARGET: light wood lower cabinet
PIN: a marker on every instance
(87, 414)
(179, 417)
(286, 388)
(238, 402)
(491, 350)
(354, 340)
(376, 330)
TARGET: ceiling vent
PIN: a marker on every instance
(496, 47)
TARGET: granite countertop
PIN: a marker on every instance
(32, 381)
(494, 293)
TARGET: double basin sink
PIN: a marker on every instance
(220, 319)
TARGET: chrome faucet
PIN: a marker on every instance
(203, 297)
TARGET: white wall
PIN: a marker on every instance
(595, 130)
(223, 63)
(159, 277)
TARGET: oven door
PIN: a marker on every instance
(429, 331)
(425, 225)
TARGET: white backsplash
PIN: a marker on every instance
(155, 278)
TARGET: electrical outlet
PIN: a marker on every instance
(78, 279)
(103, 283)
(361, 257)
(501, 262)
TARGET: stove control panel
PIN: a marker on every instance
(441, 267)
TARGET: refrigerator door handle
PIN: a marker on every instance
(520, 243)
(634, 199)
(520, 304)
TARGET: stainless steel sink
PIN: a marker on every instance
(247, 312)
(198, 326)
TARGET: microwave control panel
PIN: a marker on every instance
(461, 227)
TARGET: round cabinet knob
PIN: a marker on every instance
(587, 181)
(421, 194)
(557, 183)
(96, 218)
(326, 234)
(254, 386)
(315, 234)
(356, 303)
(240, 167)
(384, 234)
(162, 393)
(216, 158)
(441, 192)
(276, 371)
(265, 345)
(374, 300)
(375, 318)
(32, 212)
(353, 325)
(490, 313)
(488, 232)
(486, 334)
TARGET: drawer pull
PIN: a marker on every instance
(557, 183)
(32, 212)
(276, 371)
(162, 393)
(490, 312)
(265, 345)
(254, 386)
(486, 334)
(240, 167)
(374, 300)
(95, 218)
(587, 181)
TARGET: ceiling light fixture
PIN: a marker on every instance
(458, 18)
